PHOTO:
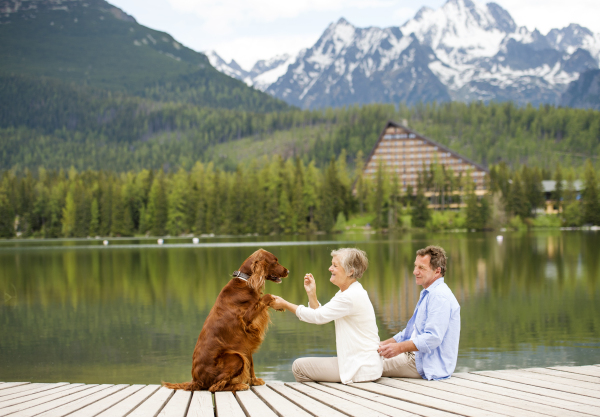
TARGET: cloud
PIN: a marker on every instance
(402, 14)
(547, 14)
(224, 15)
(246, 50)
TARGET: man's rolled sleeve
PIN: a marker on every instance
(436, 325)
(400, 336)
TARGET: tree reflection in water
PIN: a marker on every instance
(131, 314)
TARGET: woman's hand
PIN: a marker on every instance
(310, 285)
(278, 303)
(311, 289)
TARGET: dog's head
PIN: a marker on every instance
(263, 266)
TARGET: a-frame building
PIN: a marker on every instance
(407, 153)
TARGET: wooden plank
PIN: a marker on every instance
(7, 385)
(337, 403)
(154, 404)
(503, 404)
(355, 389)
(330, 388)
(286, 402)
(73, 389)
(32, 390)
(35, 391)
(20, 389)
(177, 405)
(108, 401)
(563, 374)
(516, 377)
(43, 404)
(252, 405)
(389, 387)
(201, 405)
(580, 399)
(227, 406)
(34, 396)
(85, 406)
(557, 379)
(433, 390)
(129, 404)
(516, 392)
(583, 370)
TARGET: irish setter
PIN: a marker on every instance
(234, 329)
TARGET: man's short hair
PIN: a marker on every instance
(438, 257)
(354, 261)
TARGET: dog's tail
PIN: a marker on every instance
(186, 386)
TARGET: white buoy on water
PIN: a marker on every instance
(160, 241)
(195, 241)
(105, 242)
(499, 238)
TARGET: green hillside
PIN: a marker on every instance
(96, 44)
(49, 123)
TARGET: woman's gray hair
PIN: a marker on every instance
(354, 261)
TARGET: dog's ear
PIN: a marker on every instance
(259, 273)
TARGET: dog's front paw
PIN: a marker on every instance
(268, 299)
(257, 381)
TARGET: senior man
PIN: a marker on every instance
(428, 347)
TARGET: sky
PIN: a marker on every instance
(249, 30)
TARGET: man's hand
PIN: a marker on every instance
(389, 350)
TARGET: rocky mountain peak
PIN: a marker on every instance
(463, 51)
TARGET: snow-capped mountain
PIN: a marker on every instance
(261, 76)
(354, 65)
(462, 51)
(483, 55)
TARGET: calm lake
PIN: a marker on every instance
(131, 312)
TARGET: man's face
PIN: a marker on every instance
(423, 273)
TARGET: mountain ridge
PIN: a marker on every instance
(94, 43)
(476, 52)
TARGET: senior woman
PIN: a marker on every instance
(357, 339)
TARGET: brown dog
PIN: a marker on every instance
(234, 329)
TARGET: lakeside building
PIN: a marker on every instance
(408, 154)
(549, 187)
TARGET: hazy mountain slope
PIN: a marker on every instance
(94, 43)
(584, 92)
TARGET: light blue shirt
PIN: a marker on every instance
(434, 328)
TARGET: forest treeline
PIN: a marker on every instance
(276, 196)
(47, 123)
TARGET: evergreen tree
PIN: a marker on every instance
(420, 213)
(158, 206)
(178, 204)
(326, 209)
(7, 215)
(69, 216)
(105, 205)
(557, 195)
(95, 218)
(118, 213)
(379, 203)
(589, 197)
(518, 202)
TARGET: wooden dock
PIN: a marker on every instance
(556, 391)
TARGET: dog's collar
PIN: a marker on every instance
(241, 275)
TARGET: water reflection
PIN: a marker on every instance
(131, 313)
